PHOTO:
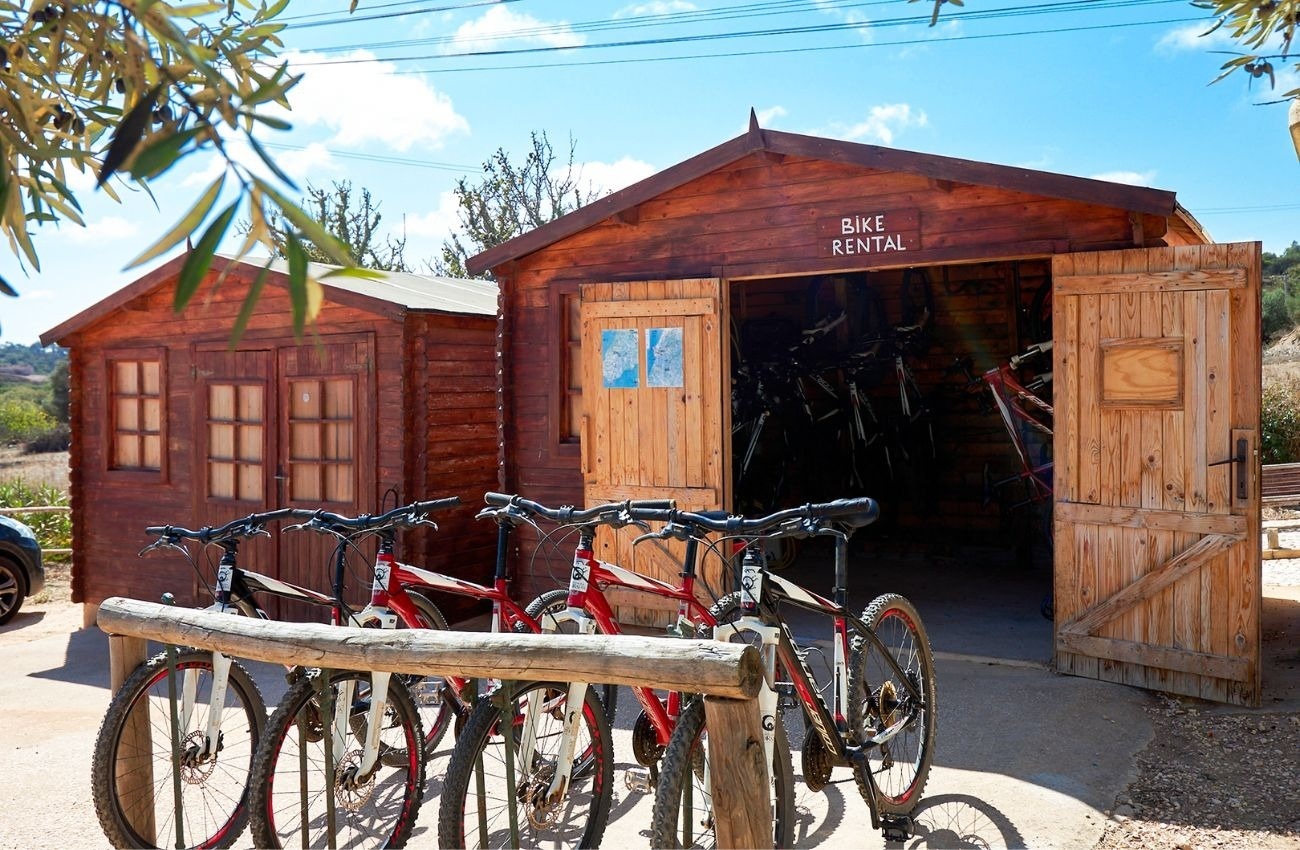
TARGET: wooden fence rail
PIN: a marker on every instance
(727, 674)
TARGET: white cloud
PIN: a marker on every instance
(606, 177)
(40, 295)
(368, 102)
(1195, 37)
(1132, 178)
(886, 121)
(767, 116)
(106, 230)
(860, 22)
(658, 7)
(499, 25)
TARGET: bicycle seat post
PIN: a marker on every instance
(840, 593)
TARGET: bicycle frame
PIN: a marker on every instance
(589, 610)
(1020, 408)
(761, 594)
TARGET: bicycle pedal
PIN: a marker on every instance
(896, 827)
(638, 780)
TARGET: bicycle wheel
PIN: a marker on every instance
(131, 770)
(683, 810)
(554, 602)
(292, 792)
(430, 692)
(899, 767)
(475, 807)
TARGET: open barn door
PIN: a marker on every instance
(1157, 365)
(655, 423)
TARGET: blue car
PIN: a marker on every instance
(21, 572)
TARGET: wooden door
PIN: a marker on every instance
(1157, 364)
(325, 456)
(233, 445)
(655, 422)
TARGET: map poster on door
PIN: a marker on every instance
(663, 357)
(618, 359)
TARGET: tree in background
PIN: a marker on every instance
(57, 406)
(510, 200)
(354, 222)
(124, 90)
(1280, 304)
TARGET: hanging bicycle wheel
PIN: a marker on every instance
(132, 771)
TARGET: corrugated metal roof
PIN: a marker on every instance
(414, 291)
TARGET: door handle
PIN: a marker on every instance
(1239, 459)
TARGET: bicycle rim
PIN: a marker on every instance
(293, 792)
(132, 771)
(476, 805)
(879, 699)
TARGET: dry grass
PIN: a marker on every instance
(35, 470)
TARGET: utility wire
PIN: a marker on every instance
(792, 50)
(391, 160)
(986, 14)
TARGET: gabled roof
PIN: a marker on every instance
(413, 292)
(1045, 183)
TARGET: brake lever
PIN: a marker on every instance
(162, 543)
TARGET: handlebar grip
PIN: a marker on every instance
(435, 505)
(497, 499)
(854, 512)
(653, 504)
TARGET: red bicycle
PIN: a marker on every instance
(1028, 420)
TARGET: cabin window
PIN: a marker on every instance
(136, 405)
(322, 435)
(236, 441)
(570, 419)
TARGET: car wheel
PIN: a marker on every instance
(12, 590)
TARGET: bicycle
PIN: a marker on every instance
(483, 811)
(304, 778)
(220, 715)
(1028, 419)
(881, 719)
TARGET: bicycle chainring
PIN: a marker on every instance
(645, 742)
(816, 762)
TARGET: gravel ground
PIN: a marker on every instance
(1212, 780)
(1213, 777)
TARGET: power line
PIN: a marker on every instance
(391, 160)
(357, 19)
(981, 14)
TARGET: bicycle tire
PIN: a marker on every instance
(214, 794)
(896, 783)
(428, 692)
(393, 793)
(552, 602)
(681, 775)
(462, 821)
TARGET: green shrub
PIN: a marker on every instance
(1276, 315)
(56, 439)
(1280, 423)
(22, 420)
(53, 528)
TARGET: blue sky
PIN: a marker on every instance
(422, 93)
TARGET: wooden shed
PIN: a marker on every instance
(390, 397)
(630, 329)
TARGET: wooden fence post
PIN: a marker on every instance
(742, 805)
(135, 786)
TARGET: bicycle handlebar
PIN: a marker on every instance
(853, 513)
(245, 526)
(403, 515)
(503, 506)
(1031, 353)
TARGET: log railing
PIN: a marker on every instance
(728, 675)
